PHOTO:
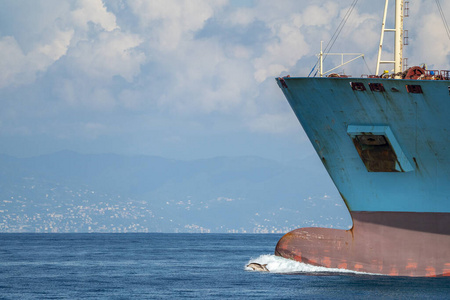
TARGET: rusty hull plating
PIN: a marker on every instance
(388, 243)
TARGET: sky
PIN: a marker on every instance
(184, 79)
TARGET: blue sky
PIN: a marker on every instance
(181, 79)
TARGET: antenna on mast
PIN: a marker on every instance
(398, 40)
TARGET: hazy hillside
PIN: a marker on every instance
(68, 192)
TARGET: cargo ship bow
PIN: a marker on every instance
(385, 142)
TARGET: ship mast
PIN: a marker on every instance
(398, 40)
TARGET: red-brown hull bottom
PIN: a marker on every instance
(389, 243)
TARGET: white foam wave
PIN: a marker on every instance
(277, 264)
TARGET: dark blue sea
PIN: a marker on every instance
(176, 266)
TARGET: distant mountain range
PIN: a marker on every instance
(72, 192)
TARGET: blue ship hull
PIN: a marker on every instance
(330, 111)
(385, 144)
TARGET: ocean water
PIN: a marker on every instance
(177, 266)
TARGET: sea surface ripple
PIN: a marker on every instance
(163, 266)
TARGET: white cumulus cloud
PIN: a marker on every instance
(93, 11)
(20, 67)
